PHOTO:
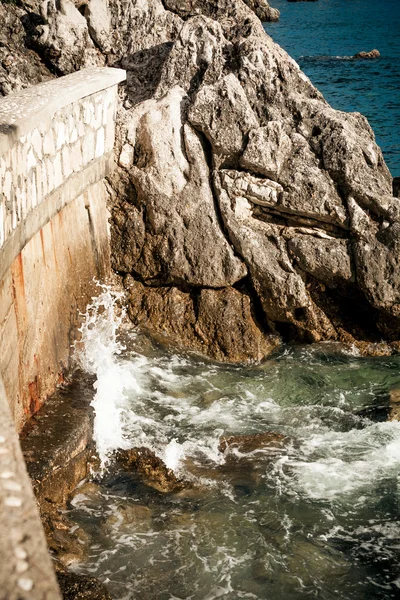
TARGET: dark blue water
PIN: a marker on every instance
(315, 34)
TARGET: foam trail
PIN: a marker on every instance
(97, 354)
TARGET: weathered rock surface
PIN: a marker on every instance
(243, 205)
(219, 323)
(19, 66)
(143, 462)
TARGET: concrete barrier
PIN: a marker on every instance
(56, 147)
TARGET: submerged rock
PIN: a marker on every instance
(143, 462)
(256, 441)
(81, 587)
(371, 54)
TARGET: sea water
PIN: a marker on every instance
(317, 517)
(322, 37)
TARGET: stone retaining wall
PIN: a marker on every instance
(56, 147)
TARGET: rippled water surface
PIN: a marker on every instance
(322, 35)
(317, 517)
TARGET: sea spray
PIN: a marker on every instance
(96, 353)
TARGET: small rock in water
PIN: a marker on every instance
(394, 405)
(144, 462)
(81, 587)
(136, 514)
(249, 443)
(371, 54)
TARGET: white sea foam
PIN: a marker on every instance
(180, 409)
(96, 354)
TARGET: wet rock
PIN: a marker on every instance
(81, 587)
(219, 323)
(394, 405)
(143, 462)
(58, 441)
(130, 514)
(251, 443)
(368, 55)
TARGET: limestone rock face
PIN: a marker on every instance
(183, 243)
(243, 206)
(218, 323)
(64, 37)
(299, 191)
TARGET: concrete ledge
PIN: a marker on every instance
(26, 571)
(22, 111)
(73, 187)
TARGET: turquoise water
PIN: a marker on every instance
(316, 517)
(315, 34)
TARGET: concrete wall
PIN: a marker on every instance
(56, 143)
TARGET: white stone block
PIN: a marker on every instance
(30, 160)
(100, 143)
(81, 129)
(24, 204)
(39, 183)
(44, 181)
(88, 147)
(7, 185)
(49, 147)
(66, 162)
(88, 112)
(2, 236)
(37, 143)
(33, 190)
(110, 136)
(73, 136)
(14, 213)
(58, 178)
(61, 135)
(50, 176)
(98, 116)
(76, 156)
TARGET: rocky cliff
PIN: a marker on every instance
(245, 210)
